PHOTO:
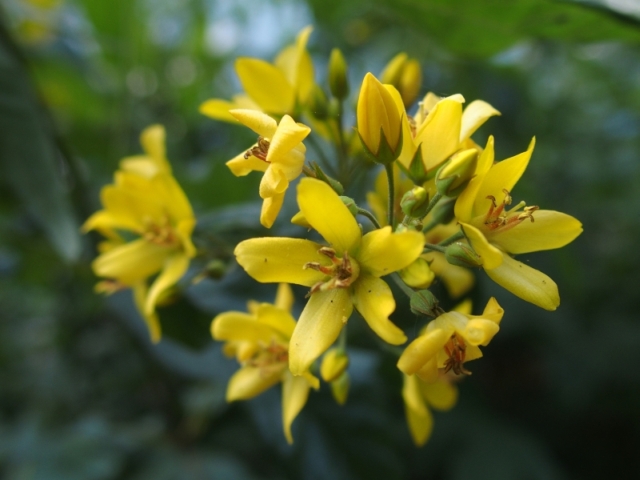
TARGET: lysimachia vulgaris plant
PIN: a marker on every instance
(439, 208)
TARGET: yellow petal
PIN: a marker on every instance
(474, 115)
(174, 268)
(324, 210)
(440, 395)
(318, 327)
(419, 418)
(238, 326)
(219, 110)
(284, 297)
(280, 260)
(287, 136)
(549, 230)
(248, 382)
(527, 283)
(295, 391)
(503, 175)
(274, 182)
(153, 142)
(372, 297)
(152, 321)
(334, 363)
(493, 311)
(490, 255)
(132, 262)
(422, 349)
(296, 64)
(241, 166)
(440, 133)
(171, 197)
(383, 252)
(429, 371)
(266, 84)
(464, 204)
(270, 208)
(259, 122)
(479, 331)
(277, 319)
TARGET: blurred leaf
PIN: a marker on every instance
(30, 162)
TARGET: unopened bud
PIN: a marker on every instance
(444, 211)
(424, 303)
(462, 255)
(215, 269)
(340, 388)
(414, 203)
(393, 70)
(418, 274)
(454, 175)
(410, 82)
(350, 204)
(318, 103)
(338, 81)
(334, 363)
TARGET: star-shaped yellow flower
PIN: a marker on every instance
(450, 340)
(439, 128)
(418, 396)
(496, 231)
(279, 153)
(147, 202)
(260, 341)
(277, 88)
(342, 275)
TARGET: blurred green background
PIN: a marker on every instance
(83, 395)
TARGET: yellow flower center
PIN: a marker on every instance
(260, 150)
(270, 359)
(160, 233)
(455, 349)
(499, 220)
(343, 271)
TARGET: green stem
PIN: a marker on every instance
(392, 194)
(370, 216)
(323, 158)
(403, 286)
(451, 239)
(434, 201)
(429, 226)
(430, 247)
(342, 339)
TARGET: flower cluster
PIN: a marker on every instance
(440, 207)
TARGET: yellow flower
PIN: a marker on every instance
(449, 341)
(260, 342)
(278, 88)
(146, 202)
(279, 153)
(155, 160)
(496, 231)
(344, 275)
(439, 129)
(418, 396)
(379, 124)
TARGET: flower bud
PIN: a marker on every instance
(338, 81)
(393, 70)
(462, 255)
(443, 212)
(414, 203)
(318, 103)
(454, 175)
(418, 274)
(379, 124)
(404, 74)
(424, 303)
(340, 388)
(334, 363)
